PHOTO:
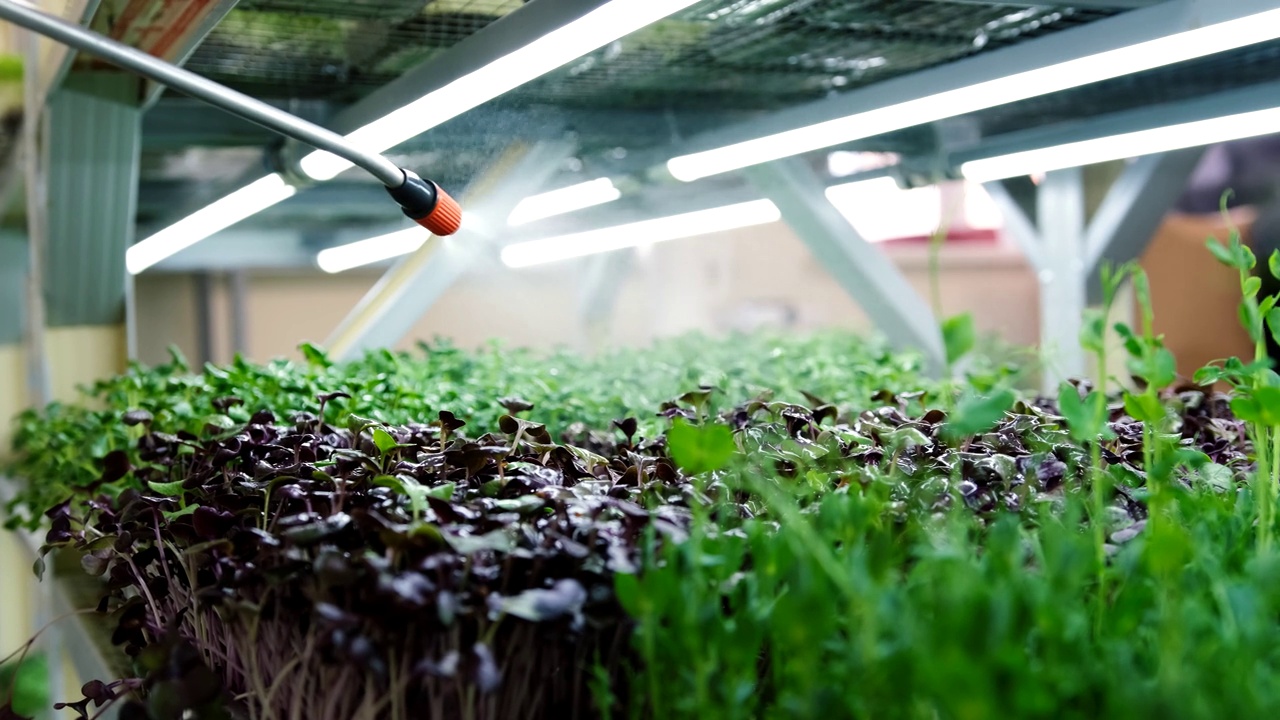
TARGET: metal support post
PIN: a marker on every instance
(863, 271)
(1067, 257)
(1060, 206)
(239, 299)
(203, 291)
(405, 293)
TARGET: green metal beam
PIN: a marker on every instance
(93, 147)
(13, 279)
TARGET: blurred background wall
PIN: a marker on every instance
(739, 280)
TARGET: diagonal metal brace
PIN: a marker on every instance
(862, 270)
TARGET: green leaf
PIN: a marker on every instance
(1146, 408)
(442, 492)
(1094, 329)
(1087, 418)
(357, 424)
(1181, 457)
(175, 514)
(412, 489)
(1251, 286)
(1250, 320)
(1219, 477)
(1245, 259)
(1221, 252)
(168, 489)
(1209, 375)
(1070, 405)
(1268, 401)
(958, 336)
(219, 422)
(978, 413)
(1273, 323)
(699, 450)
(314, 355)
(1246, 409)
(383, 440)
(1131, 343)
(1273, 263)
(1164, 368)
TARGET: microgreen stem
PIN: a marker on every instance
(1269, 481)
(1097, 492)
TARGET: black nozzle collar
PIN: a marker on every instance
(417, 197)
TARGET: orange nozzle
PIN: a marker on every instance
(445, 218)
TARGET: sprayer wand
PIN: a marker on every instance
(422, 200)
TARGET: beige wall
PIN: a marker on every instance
(13, 391)
(166, 314)
(708, 284)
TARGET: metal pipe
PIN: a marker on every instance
(39, 380)
(387, 172)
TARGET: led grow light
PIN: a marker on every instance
(589, 32)
(1139, 57)
(1126, 145)
(564, 200)
(220, 215)
(371, 250)
(673, 227)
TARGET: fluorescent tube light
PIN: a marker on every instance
(674, 227)
(564, 200)
(374, 249)
(220, 215)
(1127, 145)
(880, 210)
(1167, 50)
(562, 45)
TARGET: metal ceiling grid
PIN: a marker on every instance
(1216, 73)
(715, 63)
(334, 49)
(748, 54)
(767, 54)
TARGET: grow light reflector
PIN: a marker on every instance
(575, 39)
(1167, 50)
(673, 227)
(564, 200)
(219, 215)
(1126, 145)
(375, 249)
